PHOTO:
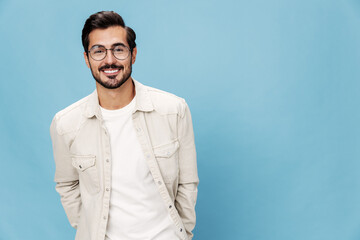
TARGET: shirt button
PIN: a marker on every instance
(180, 229)
(80, 166)
(170, 206)
(107, 189)
(104, 217)
(159, 182)
(107, 160)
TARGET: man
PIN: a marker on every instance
(125, 155)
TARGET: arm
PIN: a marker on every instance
(66, 177)
(188, 178)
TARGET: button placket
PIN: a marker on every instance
(107, 180)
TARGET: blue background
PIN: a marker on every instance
(273, 87)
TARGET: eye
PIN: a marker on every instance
(97, 50)
(119, 49)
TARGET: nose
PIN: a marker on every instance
(109, 59)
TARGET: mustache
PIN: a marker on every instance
(111, 66)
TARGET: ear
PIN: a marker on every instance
(86, 59)
(133, 55)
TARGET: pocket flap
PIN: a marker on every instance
(83, 162)
(166, 150)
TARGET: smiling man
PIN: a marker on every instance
(125, 155)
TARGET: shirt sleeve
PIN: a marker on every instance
(188, 177)
(66, 176)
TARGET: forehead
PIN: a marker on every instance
(107, 36)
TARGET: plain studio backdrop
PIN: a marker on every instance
(273, 87)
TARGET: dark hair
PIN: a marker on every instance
(103, 20)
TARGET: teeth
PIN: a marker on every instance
(111, 71)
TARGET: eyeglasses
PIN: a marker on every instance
(98, 53)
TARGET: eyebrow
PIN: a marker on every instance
(118, 44)
(114, 45)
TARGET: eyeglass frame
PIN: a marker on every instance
(112, 51)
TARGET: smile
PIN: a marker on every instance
(111, 71)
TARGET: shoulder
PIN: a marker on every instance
(165, 102)
(70, 118)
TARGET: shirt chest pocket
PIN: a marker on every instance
(167, 158)
(88, 174)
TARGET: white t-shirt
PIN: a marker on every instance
(137, 211)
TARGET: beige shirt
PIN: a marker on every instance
(83, 159)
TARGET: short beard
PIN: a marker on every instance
(113, 84)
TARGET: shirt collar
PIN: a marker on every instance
(143, 102)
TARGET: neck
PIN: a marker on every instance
(113, 99)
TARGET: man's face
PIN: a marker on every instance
(110, 72)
